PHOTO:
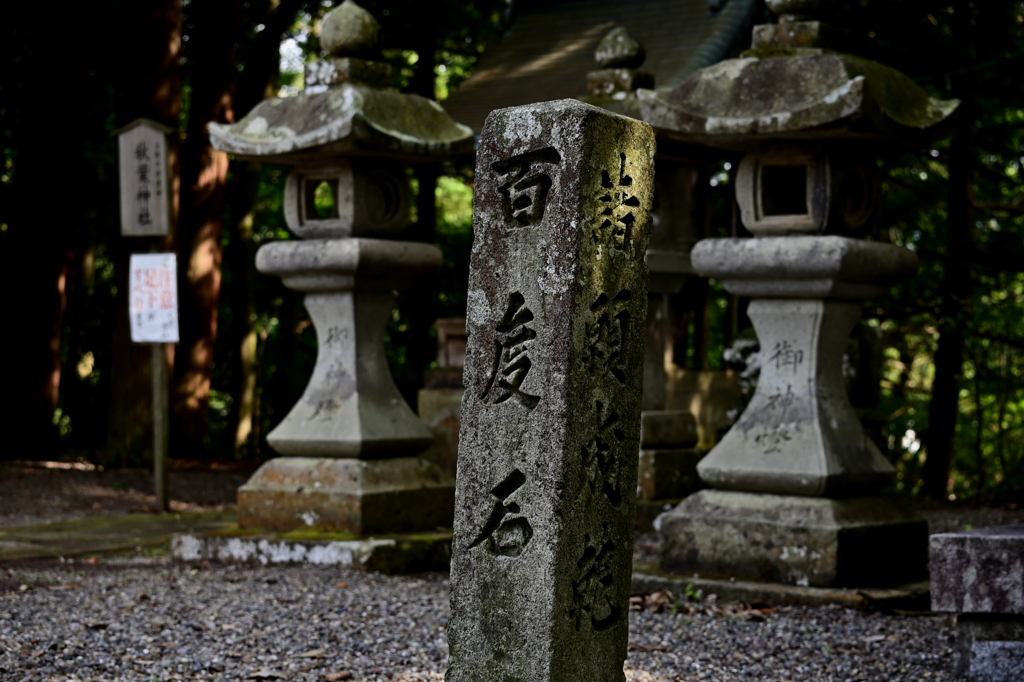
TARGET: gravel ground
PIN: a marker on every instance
(153, 620)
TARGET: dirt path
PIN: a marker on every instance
(36, 493)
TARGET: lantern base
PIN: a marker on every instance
(400, 495)
(819, 542)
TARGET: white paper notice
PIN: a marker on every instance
(153, 298)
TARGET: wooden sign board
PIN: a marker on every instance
(145, 184)
(153, 297)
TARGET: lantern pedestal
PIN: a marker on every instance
(351, 409)
(867, 541)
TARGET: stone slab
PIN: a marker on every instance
(402, 494)
(557, 302)
(441, 410)
(395, 554)
(825, 266)
(986, 646)
(804, 541)
(105, 534)
(912, 597)
(666, 473)
(997, 662)
(979, 571)
(667, 429)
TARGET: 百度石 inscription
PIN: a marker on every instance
(545, 496)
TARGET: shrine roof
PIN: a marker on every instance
(548, 52)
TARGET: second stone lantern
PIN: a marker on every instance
(796, 480)
(350, 445)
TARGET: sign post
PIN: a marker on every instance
(153, 309)
(153, 295)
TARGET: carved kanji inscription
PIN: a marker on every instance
(507, 531)
(511, 356)
(526, 181)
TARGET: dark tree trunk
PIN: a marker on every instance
(956, 285)
(239, 258)
(255, 83)
(420, 303)
(203, 196)
(45, 204)
(152, 87)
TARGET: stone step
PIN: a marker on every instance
(400, 553)
(912, 598)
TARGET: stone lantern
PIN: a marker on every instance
(796, 480)
(350, 445)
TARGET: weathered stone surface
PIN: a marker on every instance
(799, 434)
(371, 197)
(979, 571)
(397, 495)
(729, 103)
(667, 429)
(797, 34)
(619, 50)
(441, 410)
(551, 415)
(856, 542)
(351, 407)
(791, 189)
(804, 267)
(608, 81)
(793, 6)
(397, 554)
(910, 597)
(348, 120)
(325, 265)
(995, 661)
(348, 29)
(323, 74)
(988, 645)
(668, 473)
(708, 395)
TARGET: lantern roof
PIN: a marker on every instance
(345, 109)
(793, 84)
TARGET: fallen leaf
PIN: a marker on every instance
(93, 560)
(338, 677)
(874, 638)
(341, 585)
(315, 653)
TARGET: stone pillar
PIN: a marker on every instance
(545, 500)
(439, 402)
(979, 575)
